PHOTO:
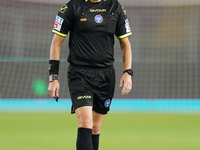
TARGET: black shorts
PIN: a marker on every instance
(91, 87)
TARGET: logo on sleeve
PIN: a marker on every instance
(58, 23)
(98, 19)
(124, 10)
(128, 29)
(107, 103)
(63, 8)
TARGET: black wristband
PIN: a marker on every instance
(54, 66)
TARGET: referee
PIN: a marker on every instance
(92, 25)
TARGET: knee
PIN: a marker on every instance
(85, 123)
(96, 129)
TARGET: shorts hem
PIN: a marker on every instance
(73, 109)
(100, 112)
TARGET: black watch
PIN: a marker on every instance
(129, 71)
(53, 77)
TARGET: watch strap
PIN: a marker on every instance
(53, 77)
(129, 71)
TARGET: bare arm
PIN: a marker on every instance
(55, 47)
(126, 80)
(127, 53)
(55, 55)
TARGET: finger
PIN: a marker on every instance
(127, 91)
(52, 93)
(57, 92)
(50, 90)
(128, 88)
(124, 89)
(121, 83)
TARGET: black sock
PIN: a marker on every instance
(95, 141)
(84, 139)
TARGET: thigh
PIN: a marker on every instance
(80, 90)
(85, 117)
(104, 91)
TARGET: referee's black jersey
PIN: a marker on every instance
(92, 27)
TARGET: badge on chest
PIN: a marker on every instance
(98, 19)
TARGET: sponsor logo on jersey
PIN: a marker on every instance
(63, 8)
(84, 97)
(107, 103)
(98, 19)
(58, 23)
(128, 29)
(97, 10)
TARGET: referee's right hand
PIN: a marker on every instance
(53, 88)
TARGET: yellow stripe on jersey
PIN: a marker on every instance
(124, 36)
(61, 34)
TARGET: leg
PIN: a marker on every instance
(84, 137)
(84, 115)
(97, 123)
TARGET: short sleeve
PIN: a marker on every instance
(123, 29)
(64, 20)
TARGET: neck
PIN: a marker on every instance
(95, 1)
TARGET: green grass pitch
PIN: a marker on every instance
(120, 131)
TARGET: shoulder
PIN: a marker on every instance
(72, 5)
(113, 3)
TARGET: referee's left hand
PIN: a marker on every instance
(126, 82)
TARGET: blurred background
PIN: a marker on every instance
(165, 45)
(166, 65)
